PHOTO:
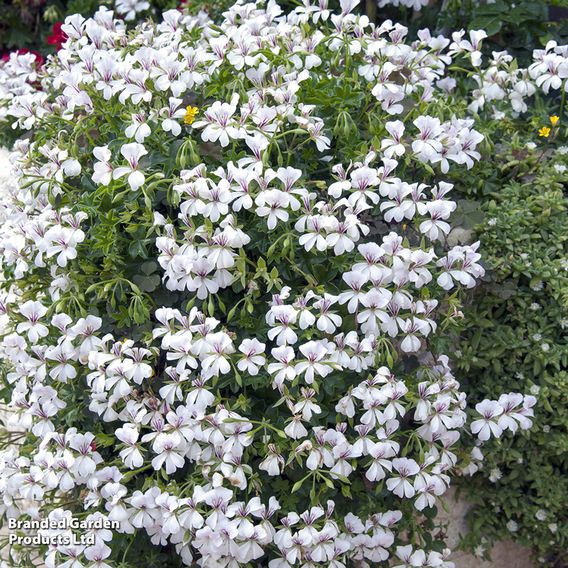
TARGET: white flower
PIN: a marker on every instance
(273, 204)
(33, 312)
(139, 129)
(252, 360)
(172, 115)
(63, 242)
(218, 124)
(512, 526)
(393, 146)
(201, 282)
(169, 453)
(129, 8)
(488, 425)
(495, 475)
(273, 463)
(103, 168)
(283, 370)
(219, 347)
(314, 352)
(401, 486)
(131, 455)
(132, 153)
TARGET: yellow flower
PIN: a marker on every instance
(544, 131)
(190, 114)
(554, 120)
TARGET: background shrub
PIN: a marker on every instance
(515, 337)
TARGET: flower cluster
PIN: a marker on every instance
(275, 396)
(508, 413)
(506, 87)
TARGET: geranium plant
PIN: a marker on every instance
(225, 258)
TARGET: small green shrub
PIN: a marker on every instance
(516, 337)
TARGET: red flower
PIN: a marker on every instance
(58, 36)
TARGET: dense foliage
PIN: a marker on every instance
(516, 337)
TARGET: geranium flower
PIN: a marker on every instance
(139, 129)
(39, 59)
(220, 347)
(252, 360)
(488, 425)
(63, 242)
(130, 8)
(103, 168)
(33, 312)
(58, 37)
(314, 364)
(218, 124)
(132, 152)
(401, 486)
(131, 455)
(169, 452)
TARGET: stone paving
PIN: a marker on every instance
(504, 554)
